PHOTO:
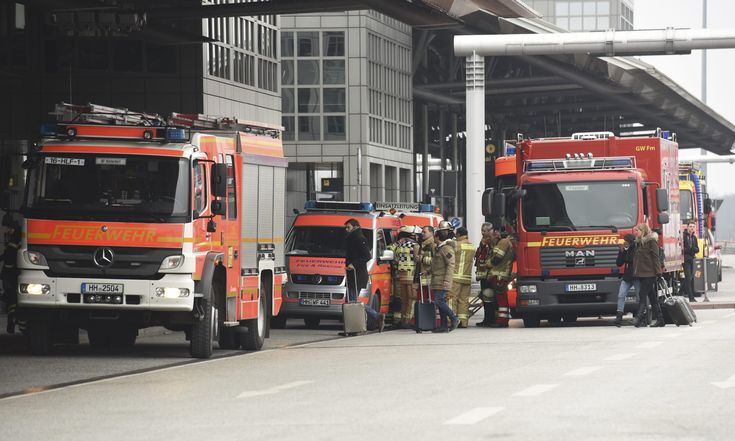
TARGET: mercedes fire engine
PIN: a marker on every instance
(134, 221)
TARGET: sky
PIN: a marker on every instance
(686, 70)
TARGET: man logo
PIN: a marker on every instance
(579, 256)
(103, 257)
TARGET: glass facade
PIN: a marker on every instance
(586, 15)
(314, 88)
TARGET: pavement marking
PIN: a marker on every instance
(732, 314)
(649, 345)
(727, 384)
(537, 389)
(619, 357)
(582, 371)
(474, 416)
(273, 390)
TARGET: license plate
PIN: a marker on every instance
(102, 288)
(314, 302)
(581, 287)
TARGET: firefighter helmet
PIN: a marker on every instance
(406, 229)
(444, 225)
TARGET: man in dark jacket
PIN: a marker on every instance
(625, 259)
(646, 268)
(357, 255)
(691, 248)
(9, 270)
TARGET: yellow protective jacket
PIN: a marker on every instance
(500, 263)
(482, 258)
(442, 266)
(404, 258)
(463, 261)
(424, 259)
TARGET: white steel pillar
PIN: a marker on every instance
(475, 147)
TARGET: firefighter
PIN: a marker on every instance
(500, 267)
(422, 275)
(10, 271)
(462, 277)
(482, 256)
(442, 269)
(405, 251)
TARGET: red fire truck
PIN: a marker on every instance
(577, 198)
(134, 221)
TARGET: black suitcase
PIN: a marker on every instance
(678, 309)
(424, 311)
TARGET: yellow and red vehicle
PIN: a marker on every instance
(316, 287)
(412, 213)
(134, 221)
(576, 198)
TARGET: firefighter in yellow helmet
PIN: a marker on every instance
(500, 267)
(405, 250)
(462, 277)
(442, 269)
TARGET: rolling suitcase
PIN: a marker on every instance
(678, 309)
(424, 311)
(354, 316)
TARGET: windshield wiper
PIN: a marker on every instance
(558, 228)
(610, 227)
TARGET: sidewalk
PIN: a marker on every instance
(724, 298)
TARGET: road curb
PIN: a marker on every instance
(719, 305)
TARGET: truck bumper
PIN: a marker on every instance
(295, 297)
(138, 295)
(553, 297)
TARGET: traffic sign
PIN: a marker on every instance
(456, 222)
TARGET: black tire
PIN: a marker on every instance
(67, 335)
(202, 332)
(312, 323)
(255, 337)
(279, 321)
(39, 335)
(569, 318)
(554, 319)
(531, 321)
(228, 338)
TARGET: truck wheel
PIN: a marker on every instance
(279, 321)
(202, 332)
(312, 323)
(39, 333)
(255, 337)
(531, 321)
(569, 318)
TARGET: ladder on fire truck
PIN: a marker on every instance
(104, 115)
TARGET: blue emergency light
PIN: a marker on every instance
(540, 165)
(426, 208)
(176, 134)
(510, 150)
(49, 129)
(665, 134)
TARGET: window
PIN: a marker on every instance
(562, 8)
(308, 72)
(288, 128)
(334, 128)
(287, 100)
(127, 55)
(603, 8)
(334, 100)
(231, 188)
(308, 44)
(93, 54)
(334, 72)
(381, 243)
(309, 129)
(287, 44)
(287, 74)
(589, 8)
(308, 100)
(161, 59)
(334, 44)
(575, 8)
(200, 188)
(589, 23)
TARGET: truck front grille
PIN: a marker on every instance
(592, 257)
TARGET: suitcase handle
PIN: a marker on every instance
(354, 278)
(426, 299)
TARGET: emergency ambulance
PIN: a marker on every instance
(132, 220)
(315, 262)
(412, 213)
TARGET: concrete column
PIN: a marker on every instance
(475, 151)
(425, 157)
(442, 149)
(455, 164)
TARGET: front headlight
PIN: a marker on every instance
(528, 289)
(34, 288)
(172, 262)
(35, 258)
(172, 293)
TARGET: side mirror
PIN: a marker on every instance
(211, 226)
(219, 180)
(662, 199)
(707, 206)
(387, 256)
(487, 202)
(499, 204)
(663, 218)
(218, 208)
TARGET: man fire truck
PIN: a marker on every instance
(135, 221)
(577, 197)
(316, 284)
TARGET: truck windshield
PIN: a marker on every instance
(687, 206)
(321, 241)
(572, 206)
(109, 188)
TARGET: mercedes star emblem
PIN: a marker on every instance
(103, 257)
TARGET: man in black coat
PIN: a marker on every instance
(9, 271)
(357, 255)
(691, 248)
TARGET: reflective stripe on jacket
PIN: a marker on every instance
(463, 261)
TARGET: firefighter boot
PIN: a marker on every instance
(619, 319)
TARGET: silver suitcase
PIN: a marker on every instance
(354, 316)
